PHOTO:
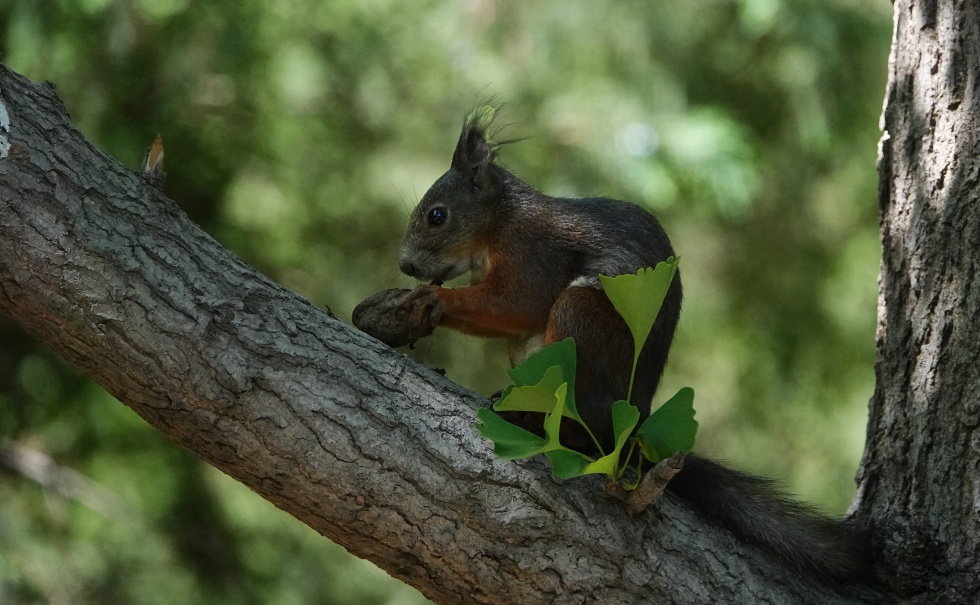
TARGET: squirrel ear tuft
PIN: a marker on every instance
(475, 150)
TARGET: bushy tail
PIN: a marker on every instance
(757, 513)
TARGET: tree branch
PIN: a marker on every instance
(361, 443)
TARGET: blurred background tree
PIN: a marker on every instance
(300, 134)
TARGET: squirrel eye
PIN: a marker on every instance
(437, 216)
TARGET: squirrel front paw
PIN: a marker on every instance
(422, 309)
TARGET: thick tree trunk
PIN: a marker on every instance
(920, 477)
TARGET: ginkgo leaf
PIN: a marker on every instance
(566, 463)
(510, 442)
(532, 371)
(538, 397)
(671, 428)
(638, 298)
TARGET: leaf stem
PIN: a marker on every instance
(619, 471)
(592, 435)
(636, 359)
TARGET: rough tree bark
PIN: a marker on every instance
(919, 483)
(377, 453)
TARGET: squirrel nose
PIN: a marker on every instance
(407, 266)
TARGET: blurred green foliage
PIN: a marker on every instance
(300, 133)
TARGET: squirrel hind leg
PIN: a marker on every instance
(604, 354)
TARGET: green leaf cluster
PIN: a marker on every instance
(545, 384)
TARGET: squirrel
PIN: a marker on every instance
(534, 262)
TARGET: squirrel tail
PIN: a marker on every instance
(757, 513)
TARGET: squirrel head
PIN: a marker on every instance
(449, 230)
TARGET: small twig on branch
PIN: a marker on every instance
(152, 171)
(651, 485)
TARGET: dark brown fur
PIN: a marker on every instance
(534, 261)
